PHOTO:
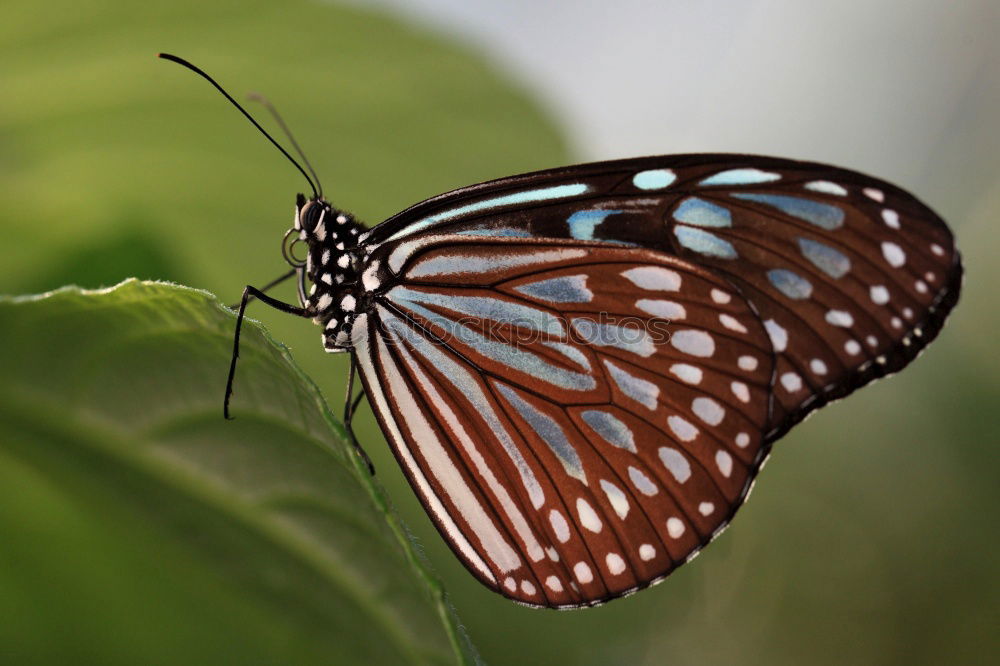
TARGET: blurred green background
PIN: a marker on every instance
(872, 535)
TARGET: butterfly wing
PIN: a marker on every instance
(578, 418)
(851, 275)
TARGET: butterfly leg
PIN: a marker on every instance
(273, 283)
(350, 405)
(248, 293)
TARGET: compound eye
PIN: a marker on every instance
(309, 216)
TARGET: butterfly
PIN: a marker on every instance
(582, 370)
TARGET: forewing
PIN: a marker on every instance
(579, 419)
(851, 275)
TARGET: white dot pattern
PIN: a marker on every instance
(615, 563)
(741, 391)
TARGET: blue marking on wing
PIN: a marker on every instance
(832, 262)
(514, 198)
(583, 222)
(505, 232)
(612, 429)
(703, 213)
(741, 177)
(654, 179)
(704, 242)
(515, 357)
(564, 289)
(790, 284)
(548, 430)
(823, 215)
(489, 308)
(604, 334)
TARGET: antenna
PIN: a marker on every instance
(257, 97)
(185, 63)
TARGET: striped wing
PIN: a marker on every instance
(850, 275)
(579, 419)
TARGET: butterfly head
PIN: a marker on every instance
(329, 269)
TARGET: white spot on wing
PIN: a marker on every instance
(778, 335)
(559, 525)
(675, 527)
(664, 309)
(791, 381)
(708, 410)
(588, 517)
(642, 482)
(693, 342)
(720, 296)
(683, 428)
(676, 463)
(732, 323)
(826, 187)
(687, 373)
(839, 318)
(879, 294)
(873, 194)
(724, 462)
(653, 278)
(617, 499)
(893, 254)
(616, 565)
(583, 572)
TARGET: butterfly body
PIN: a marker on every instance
(331, 268)
(582, 370)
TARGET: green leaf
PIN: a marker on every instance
(141, 527)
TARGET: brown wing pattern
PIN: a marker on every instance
(578, 418)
